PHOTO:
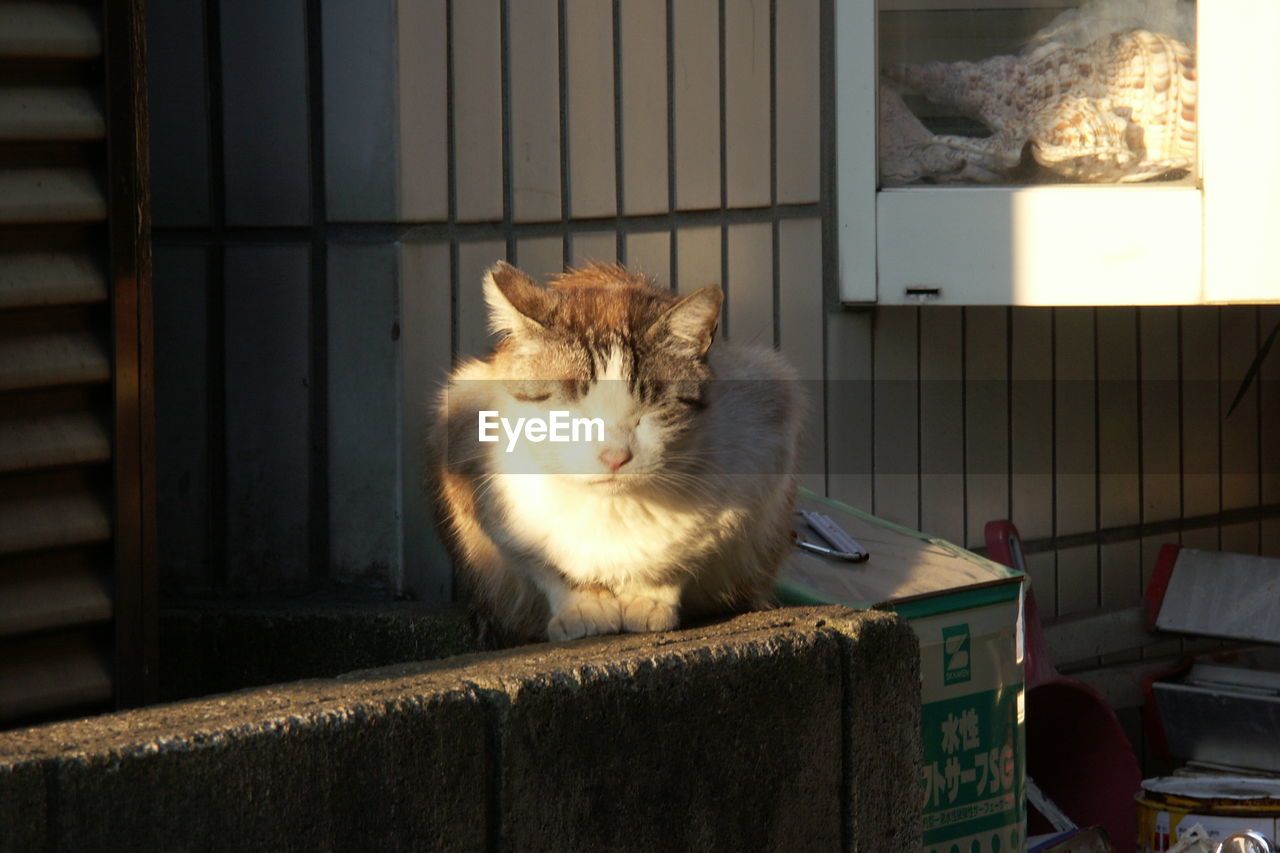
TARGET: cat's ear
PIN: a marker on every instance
(517, 305)
(690, 325)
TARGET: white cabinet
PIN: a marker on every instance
(1028, 230)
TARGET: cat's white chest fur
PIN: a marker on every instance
(593, 537)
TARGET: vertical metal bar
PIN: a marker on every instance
(671, 143)
(964, 425)
(1097, 463)
(775, 236)
(318, 339)
(136, 626)
(504, 62)
(619, 194)
(1053, 455)
(1008, 403)
(452, 144)
(566, 211)
(1182, 450)
(1141, 460)
(826, 196)
(1217, 398)
(919, 396)
(1258, 407)
(216, 349)
(724, 180)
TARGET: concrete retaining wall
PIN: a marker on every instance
(788, 730)
(218, 646)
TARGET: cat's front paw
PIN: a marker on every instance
(641, 613)
(586, 614)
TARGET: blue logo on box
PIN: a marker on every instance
(955, 654)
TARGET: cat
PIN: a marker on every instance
(679, 505)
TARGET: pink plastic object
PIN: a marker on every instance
(1076, 750)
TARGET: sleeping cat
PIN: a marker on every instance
(674, 500)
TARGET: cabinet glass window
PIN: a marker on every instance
(1022, 92)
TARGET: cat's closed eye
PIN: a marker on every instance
(532, 398)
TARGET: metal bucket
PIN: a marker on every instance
(1221, 804)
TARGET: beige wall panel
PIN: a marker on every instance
(697, 258)
(1042, 569)
(589, 64)
(423, 65)
(477, 113)
(800, 295)
(535, 110)
(541, 257)
(265, 111)
(1269, 377)
(1243, 538)
(1077, 580)
(183, 391)
(697, 103)
(1117, 416)
(1031, 416)
(849, 406)
(1075, 453)
(1149, 551)
(179, 123)
(363, 343)
(1206, 539)
(942, 494)
(1270, 430)
(896, 394)
(1120, 584)
(268, 416)
(1121, 568)
(1160, 421)
(986, 409)
(594, 246)
(643, 24)
(1239, 342)
(360, 137)
(1200, 417)
(649, 253)
(749, 290)
(800, 338)
(474, 260)
(746, 102)
(425, 353)
(1120, 565)
(798, 119)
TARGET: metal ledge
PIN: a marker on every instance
(71, 358)
(48, 31)
(33, 196)
(62, 521)
(37, 113)
(40, 279)
(52, 440)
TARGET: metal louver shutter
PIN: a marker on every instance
(69, 373)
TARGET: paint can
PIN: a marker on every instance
(1221, 804)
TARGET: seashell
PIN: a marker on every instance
(1131, 117)
(1122, 108)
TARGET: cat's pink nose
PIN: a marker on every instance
(614, 458)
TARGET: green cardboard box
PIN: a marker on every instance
(967, 612)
